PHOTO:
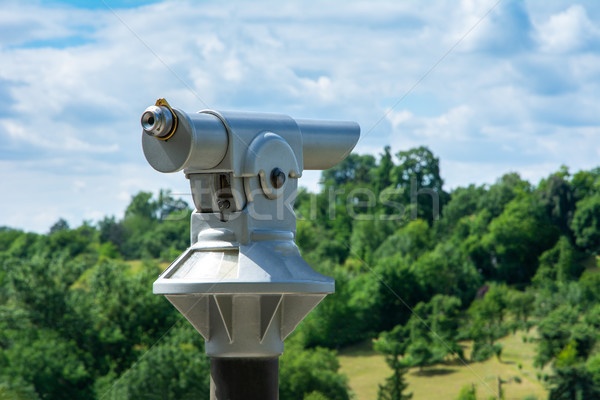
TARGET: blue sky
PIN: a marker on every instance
(489, 86)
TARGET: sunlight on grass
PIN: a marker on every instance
(366, 369)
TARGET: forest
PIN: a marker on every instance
(418, 272)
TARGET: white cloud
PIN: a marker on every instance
(567, 31)
(518, 93)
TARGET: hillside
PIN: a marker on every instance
(424, 274)
(366, 369)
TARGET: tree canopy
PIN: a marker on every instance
(417, 269)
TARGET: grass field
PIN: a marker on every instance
(366, 369)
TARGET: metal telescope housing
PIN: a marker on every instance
(242, 283)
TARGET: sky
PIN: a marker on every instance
(489, 86)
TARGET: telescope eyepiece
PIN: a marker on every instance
(157, 121)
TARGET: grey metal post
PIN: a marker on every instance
(244, 378)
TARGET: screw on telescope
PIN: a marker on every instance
(223, 204)
(277, 178)
(157, 121)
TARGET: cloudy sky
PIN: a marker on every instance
(489, 86)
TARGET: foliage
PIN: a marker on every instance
(432, 331)
(586, 223)
(394, 387)
(416, 267)
(393, 345)
(315, 370)
(573, 382)
(176, 368)
(517, 237)
(467, 392)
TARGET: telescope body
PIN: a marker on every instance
(242, 283)
(202, 139)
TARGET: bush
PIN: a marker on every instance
(467, 392)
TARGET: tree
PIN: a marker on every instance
(169, 207)
(60, 225)
(303, 371)
(418, 173)
(394, 387)
(592, 366)
(573, 382)
(341, 319)
(432, 331)
(113, 315)
(111, 230)
(354, 169)
(446, 270)
(487, 322)
(558, 264)
(557, 197)
(382, 173)
(586, 223)
(463, 202)
(467, 392)
(51, 364)
(555, 333)
(411, 240)
(393, 345)
(585, 183)
(175, 368)
(507, 188)
(368, 235)
(521, 305)
(590, 286)
(142, 205)
(396, 289)
(516, 239)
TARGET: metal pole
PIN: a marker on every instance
(244, 378)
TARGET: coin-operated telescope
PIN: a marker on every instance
(242, 283)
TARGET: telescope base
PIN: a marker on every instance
(244, 378)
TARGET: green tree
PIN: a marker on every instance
(395, 290)
(464, 202)
(60, 225)
(418, 173)
(429, 336)
(341, 319)
(394, 387)
(304, 371)
(516, 239)
(368, 235)
(586, 223)
(411, 240)
(557, 197)
(467, 392)
(113, 314)
(175, 368)
(573, 383)
(446, 270)
(555, 332)
(382, 174)
(393, 344)
(560, 263)
(521, 305)
(585, 183)
(592, 366)
(142, 205)
(507, 188)
(589, 282)
(170, 207)
(111, 230)
(53, 365)
(354, 169)
(487, 322)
